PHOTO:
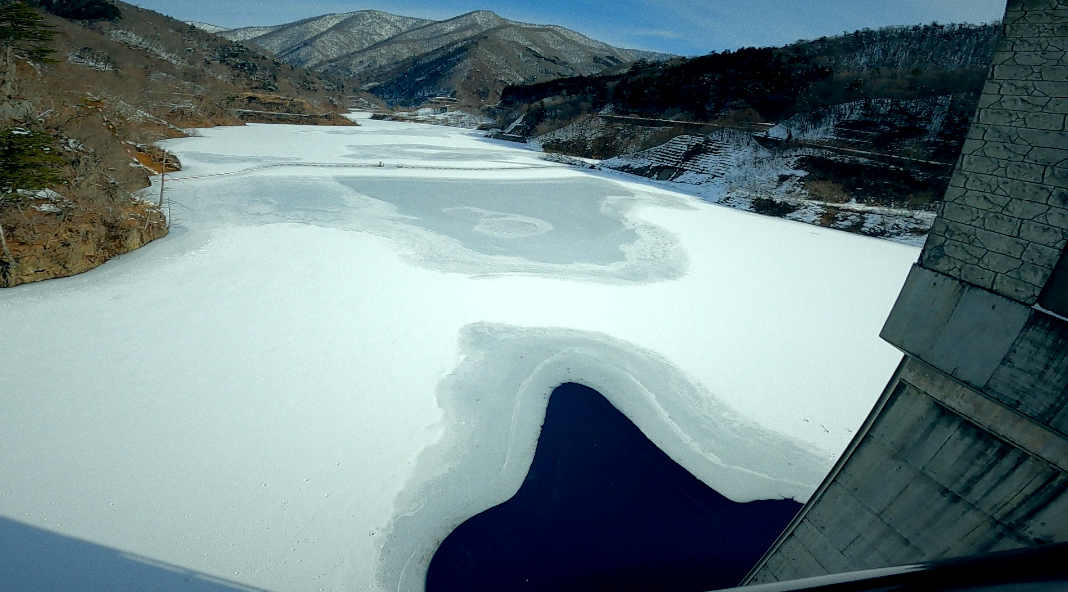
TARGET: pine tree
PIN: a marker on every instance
(27, 161)
(82, 10)
(23, 34)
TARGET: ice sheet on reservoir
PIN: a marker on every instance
(551, 221)
(407, 152)
(268, 395)
(495, 402)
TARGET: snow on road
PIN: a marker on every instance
(323, 369)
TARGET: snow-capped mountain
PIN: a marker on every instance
(315, 40)
(245, 33)
(472, 56)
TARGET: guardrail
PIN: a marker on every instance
(1035, 569)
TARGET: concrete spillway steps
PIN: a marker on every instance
(713, 160)
(692, 153)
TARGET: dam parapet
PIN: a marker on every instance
(966, 451)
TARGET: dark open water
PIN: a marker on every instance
(602, 508)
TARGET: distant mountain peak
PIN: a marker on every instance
(472, 56)
(480, 14)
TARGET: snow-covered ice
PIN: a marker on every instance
(345, 346)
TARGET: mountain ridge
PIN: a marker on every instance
(405, 60)
(857, 132)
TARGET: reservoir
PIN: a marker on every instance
(557, 222)
(603, 508)
(329, 366)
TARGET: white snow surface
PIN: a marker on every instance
(345, 347)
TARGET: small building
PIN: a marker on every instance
(443, 104)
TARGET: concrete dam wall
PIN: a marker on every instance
(966, 451)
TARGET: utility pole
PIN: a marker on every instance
(162, 180)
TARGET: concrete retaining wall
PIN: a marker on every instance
(943, 468)
(926, 483)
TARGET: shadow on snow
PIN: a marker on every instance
(32, 560)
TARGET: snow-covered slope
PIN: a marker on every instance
(650, 56)
(246, 33)
(312, 41)
(577, 49)
(472, 56)
(210, 28)
(731, 168)
(344, 347)
(282, 37)
(931, 128)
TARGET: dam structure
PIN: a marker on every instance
(966, 450)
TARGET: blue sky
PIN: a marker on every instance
(686, 27)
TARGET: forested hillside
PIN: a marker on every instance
(87, 86)
(770, 84)
(866, 119)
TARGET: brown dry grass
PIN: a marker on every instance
(50, 239)
(113, 90)
(826, 190)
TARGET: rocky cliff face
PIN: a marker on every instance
(111, 90)
(52, 237)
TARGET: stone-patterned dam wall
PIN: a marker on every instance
(966, 451)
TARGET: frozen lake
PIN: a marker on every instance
(552, 221)
(345, 347)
